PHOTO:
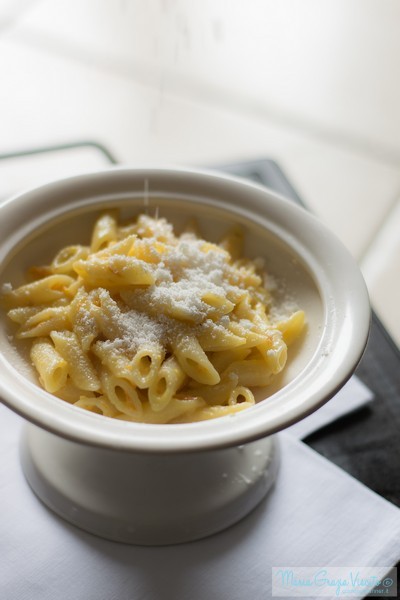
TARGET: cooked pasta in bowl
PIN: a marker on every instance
(163, 317)
(149, 326)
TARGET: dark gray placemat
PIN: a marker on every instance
(366, 443)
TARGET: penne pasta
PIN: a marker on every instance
(292, 327)
(122, 394)
(104, 231)
(214, 338)
(51, 366)
(194, 361)
(222, 360)
(251, 372)
(241, 394)
(22, 314)
(70, 393)
(140, 324)
(116, 362)
(274, 352)
(213, 412)
(41, 292)
(145, 365)
(63, 262)
(177, 409)
(82, 315)
(169, 379)
(44, 322)
(218, 394)
(119, 272)
(80, 368)
(98, 404)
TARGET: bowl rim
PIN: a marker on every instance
(330, 367)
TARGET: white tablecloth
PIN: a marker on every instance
(316, 515)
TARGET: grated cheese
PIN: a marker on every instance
(182, 276)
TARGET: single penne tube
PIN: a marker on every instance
(274, 352)
(243, 308)
(221, 393)
(172, 413)
(145, 365)
(106, 313)
(40, 292)
(122, 394)
(70, 393)
(44, 322)
(219, 305)
(119, 247)
(216, 338)
(63, 261)
(169, 379)
(80, 368)
(21, 315)
(212, 412)
(100, 404)
(241, 394)
(104, 231)
(292, 327)
(252, 338)
(51, 366)
(117, 272)
(251, 372)
(82, 316)
(180, 313)
(222, 360)
(116, 362)
(275, 358)
(193, 360)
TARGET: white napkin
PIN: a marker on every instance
(316, 515)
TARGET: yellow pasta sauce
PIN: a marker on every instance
(146, 325)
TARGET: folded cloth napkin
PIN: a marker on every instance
(315, 516)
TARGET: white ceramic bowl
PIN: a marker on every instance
(169, 483)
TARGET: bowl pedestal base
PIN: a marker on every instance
(148, 499)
